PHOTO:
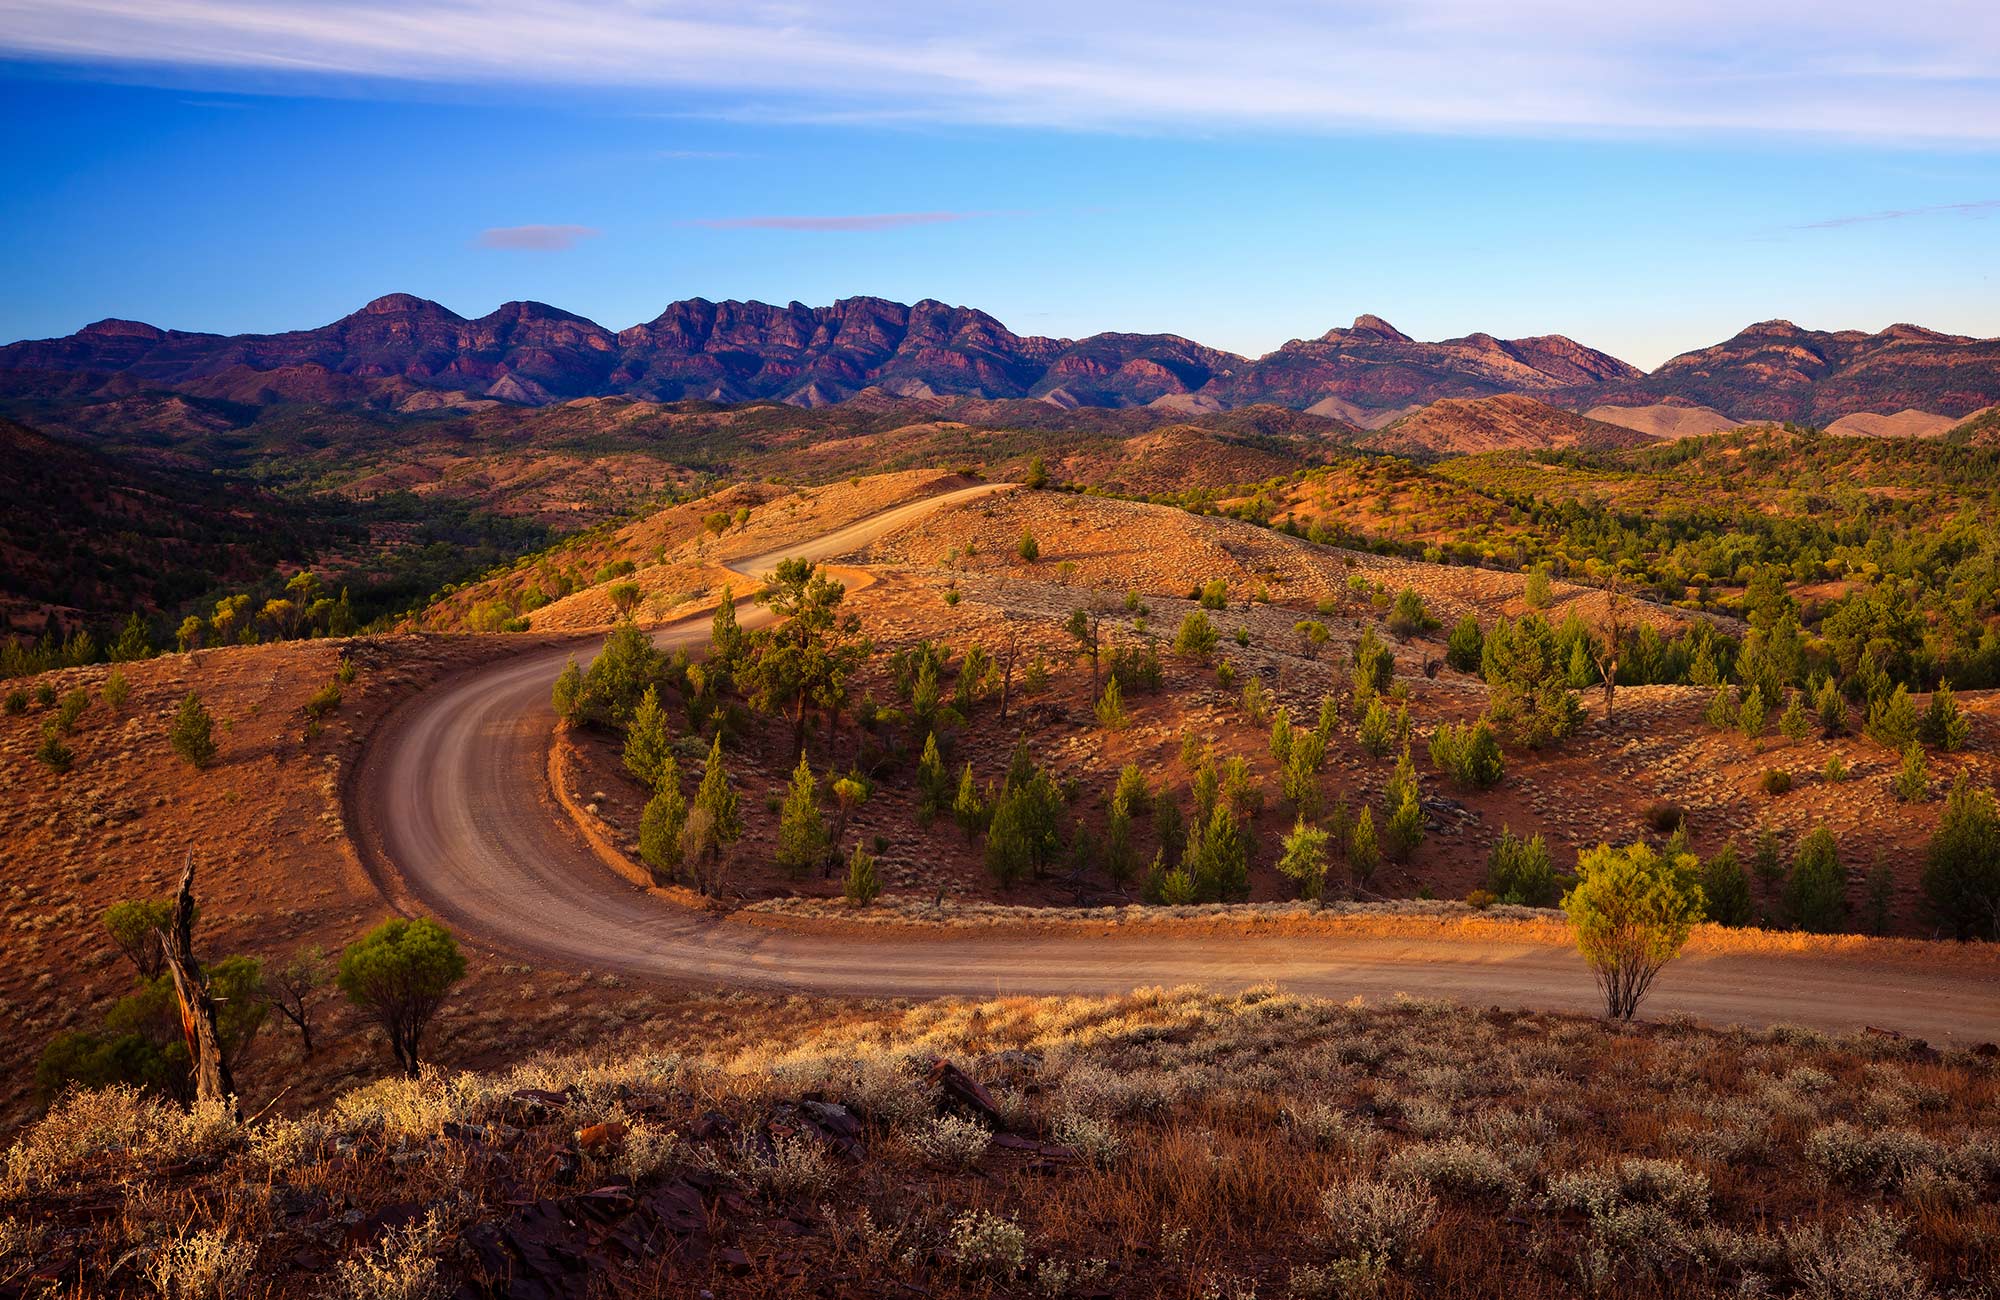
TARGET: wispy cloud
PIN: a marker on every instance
(1920, 72)
(862, 221)
(536, 239)
(1978, 209)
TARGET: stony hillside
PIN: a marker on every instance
(1468, 426)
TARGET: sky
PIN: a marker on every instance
(1646, 178)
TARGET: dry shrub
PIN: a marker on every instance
(1457, 1168)
(201, 1266)
(139, 1129)
(1862, 1259)
(403, 1265)
(950, 1141)
(986, 1243)
(1378, 1220)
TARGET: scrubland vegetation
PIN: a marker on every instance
(1167, 1142)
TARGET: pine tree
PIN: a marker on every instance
(1726, 889)
(1962, 867)
(663, 821)
(1168, 828)
(967, 808)
(933, 786)
(1281, 735)
(193, 732)
(863, 885)
(1111, 706)
(567, 695)
(1374, 730)
(1893, 721)
(1831, 707)
(1793, 725)
(1944, 725)
(1816, 893)
(647, 741)
(1301, 774)
(1118, 857)
(1304, 858)
(714, 823)
(1363, 855)
(725, 636)
(1912, 783)
(1721, 713)
(1750, 714)
(1329, 719)
(801, 828)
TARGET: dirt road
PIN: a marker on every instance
(452, 810)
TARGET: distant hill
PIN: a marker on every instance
(1458, 427)
(1777, 371)
(1669, 419)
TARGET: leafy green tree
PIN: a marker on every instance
(192, 733)
(1816, 891)
(567, 694)
(1313, 636)
(134, 926)
(1038, 472)
(625, 598)
(1726, 889)
(398, 975)
(805, 662)
(188, 636)
(802, 838)
(1631, 911)
(1944, 725)
(713, 824)
(1962, 866)
(863, 886)
(1912, 783)
(293, 986)
(1519, 871)
(1304, 858)
(619, 677)
(663, 822)
(648, 743)
(1462, 649)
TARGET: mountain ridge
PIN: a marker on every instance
(533, 353)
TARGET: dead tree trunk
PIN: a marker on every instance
(204, 1041)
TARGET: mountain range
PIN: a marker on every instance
(407, 353)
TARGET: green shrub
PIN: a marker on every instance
(1776, 781)
(1519, 871)
(398, 975)
(192, 733)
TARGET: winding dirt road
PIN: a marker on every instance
(451, 808)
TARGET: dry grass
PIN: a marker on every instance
(1168, 1142)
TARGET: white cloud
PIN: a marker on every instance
(1921, 71)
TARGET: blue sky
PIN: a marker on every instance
(240, 165)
